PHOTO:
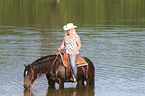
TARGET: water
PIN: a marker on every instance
(114, 43)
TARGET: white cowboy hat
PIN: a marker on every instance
(69, 26)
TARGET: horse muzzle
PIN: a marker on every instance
(27, 86)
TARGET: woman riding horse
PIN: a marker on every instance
(56, 71)
(72, 45)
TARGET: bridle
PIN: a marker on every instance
(32, 73)
(45, 72)
(32, 77)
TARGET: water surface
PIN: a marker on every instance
(112, 34)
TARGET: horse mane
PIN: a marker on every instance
(43, 59)
(43, 63)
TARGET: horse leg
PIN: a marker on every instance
(61, 83)
(80, 82)
(87, 77)
(81, 76)
(51, 82)
(90, 73)
(90, 79)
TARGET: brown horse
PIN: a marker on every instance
(57, 72)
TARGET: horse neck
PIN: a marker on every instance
(43, 64)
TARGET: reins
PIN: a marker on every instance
(45, 72)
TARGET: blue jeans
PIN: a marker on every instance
(73, 64)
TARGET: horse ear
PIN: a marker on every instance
(25, 65)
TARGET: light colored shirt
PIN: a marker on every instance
(71, 44)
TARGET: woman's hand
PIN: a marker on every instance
(59, 49)
(73, 54)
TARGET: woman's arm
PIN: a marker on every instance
(62, 45)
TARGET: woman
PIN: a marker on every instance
(72, 44)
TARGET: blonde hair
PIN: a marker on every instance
(74, 32)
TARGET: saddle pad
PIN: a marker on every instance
(66, 62)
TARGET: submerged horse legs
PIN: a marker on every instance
(80, 82)
(61, 83)
(51, 82)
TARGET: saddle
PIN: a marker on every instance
(66, 61)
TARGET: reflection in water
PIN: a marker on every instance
(28, 92)
(79, 91)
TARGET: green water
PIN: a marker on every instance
(112, 34)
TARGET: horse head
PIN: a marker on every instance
(29, 76)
